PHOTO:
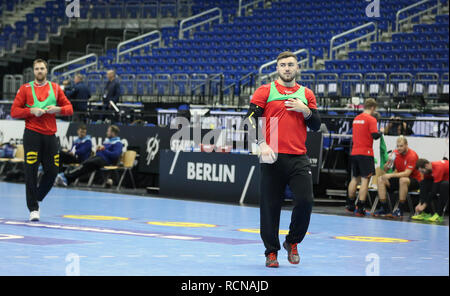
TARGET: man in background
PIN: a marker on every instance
(107, 154)
(365, 130)
(435, 181)
(404, 178)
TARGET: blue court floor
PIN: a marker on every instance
(93, 233)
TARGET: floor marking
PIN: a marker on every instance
(51, 257)
(345, 256)
(107, 256)
(239, 255)
(398, 257)
(21, 257)
(186, 255)
(134, 256)
(140, 233)
(96, 217)
(160, 256)
(426, 258)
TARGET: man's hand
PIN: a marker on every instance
(53, 109)
(266, 154)
(100, 147)
(386, 177)
(297, 106)
(38, 112)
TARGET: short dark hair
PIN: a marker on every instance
(115, 129)
(421, 163)
(82, 127)
(370, 103)
(285, 55)
(40, 61)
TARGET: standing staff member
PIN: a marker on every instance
(38, 102)
(294, 107)
(365, 130)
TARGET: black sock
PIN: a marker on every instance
(402, 206)
(351, 202)
(361, 204)
(384, 205)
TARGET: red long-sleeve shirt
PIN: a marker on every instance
(46, 124)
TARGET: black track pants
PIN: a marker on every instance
(39, 149)
(294, 170)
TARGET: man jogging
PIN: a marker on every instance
(284, 159)
(38, 102)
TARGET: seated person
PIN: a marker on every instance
(435, 181)
(81, 148)
(397, 127)
(404, 178)
(107, 154)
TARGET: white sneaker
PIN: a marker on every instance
(34, 216)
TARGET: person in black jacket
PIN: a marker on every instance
(112, 89)
(79, 94)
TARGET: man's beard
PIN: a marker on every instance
(40, 80)
(286, 80)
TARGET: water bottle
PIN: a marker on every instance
(391, 159)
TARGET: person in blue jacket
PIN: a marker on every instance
(107, 154)
(81, 148)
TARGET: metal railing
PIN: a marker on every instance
(244, 6)
(207, 21)
(121, 44)
(399, 22)
(81, 59)
(303, 63)
(367, 36)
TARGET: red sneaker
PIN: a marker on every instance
(293, 256)
(271, 260)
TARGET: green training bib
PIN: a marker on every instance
(275, 95)
(49, 101)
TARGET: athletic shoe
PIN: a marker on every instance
(421, 216)
(350, 208)
(271, 260)
(396, 214)
(436, 218)
(293, 256)
(380, 213)
(360, 212)
(34, 216)
(61, 179)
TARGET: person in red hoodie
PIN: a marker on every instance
(38, 102)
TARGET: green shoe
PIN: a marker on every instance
(421, 216)
(435, 218)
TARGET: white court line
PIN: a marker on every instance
(398, 257)
(51, 257)
(345, 256)
(107, 256)
(239, 255)
(134, 256)
(426, 258)
(21, 257)
(186, 255)
(160, 256)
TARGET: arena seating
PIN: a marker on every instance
(36, 26)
